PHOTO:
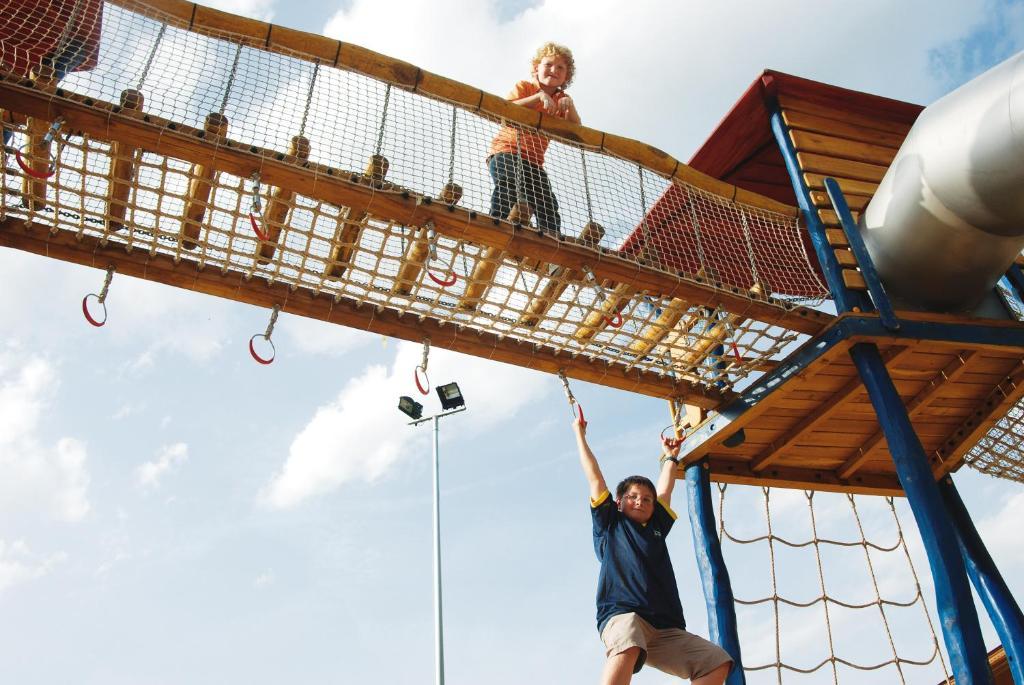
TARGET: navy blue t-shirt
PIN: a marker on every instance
(636, 572)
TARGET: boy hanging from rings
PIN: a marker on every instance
(516, 157)
(639, 615)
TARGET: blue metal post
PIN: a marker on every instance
(960, 628)
(844, 298)
(995, 595)
(860, 252)
(714, 575)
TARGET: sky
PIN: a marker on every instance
(172, 512)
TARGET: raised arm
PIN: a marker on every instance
(591, 470)
(667, 477)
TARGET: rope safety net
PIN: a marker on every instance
(228, 92)
(831, 605)
(999, 451)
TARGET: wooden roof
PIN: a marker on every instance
(742, 151)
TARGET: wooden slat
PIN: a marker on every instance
(836, 237)
(849, 186)
(825, 411)
(857, 203)
(841, 129)
(831, 166)
(830, 218)
(873, 445)
(854, 280)
(187, 274)
(842, 148)
(787, 102)
(318, 181)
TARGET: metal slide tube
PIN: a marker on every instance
(947, 219)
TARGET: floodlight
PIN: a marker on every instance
(410, 407)
(451, 396)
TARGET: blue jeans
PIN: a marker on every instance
(515, 178)
(67, 60)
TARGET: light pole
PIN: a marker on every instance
(453, 403)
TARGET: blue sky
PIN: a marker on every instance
(170, 512)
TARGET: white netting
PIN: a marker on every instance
(348, 122)
(818, 601)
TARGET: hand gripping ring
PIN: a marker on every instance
(27, 168)
(671, 425)
(252, 350)
(444, 283)
(256, 228)
(424, 385)
(615, 321)
(89, 317)
(577, 411)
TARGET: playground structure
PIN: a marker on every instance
(314, 177)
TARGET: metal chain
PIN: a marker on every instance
(451, 151)
(309, 98)
(231, 79)
(151, 56)
(273, 320)
(426, 355)
(383, 119)
(106, 285)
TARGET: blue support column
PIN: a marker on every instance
(960, 628)
(846, 300)
(860, 252)
(714, 575)
(995, 595)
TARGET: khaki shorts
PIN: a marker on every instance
(671, 650)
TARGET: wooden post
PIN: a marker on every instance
(280, 203)
(560, 279)
(200, 185)
(122, 168)
(34, 189)
(415, 256)
(345, 246)
(613, 304)
(483, 273)
(412, 263)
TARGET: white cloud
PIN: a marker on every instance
(265, 579)
(256, 9)
(662, 76)
(361, 436)
(1001, 534)
(19, 565)
(312, 336)
(34, 476)
(168, 460)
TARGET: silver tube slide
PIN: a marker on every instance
(947, 219)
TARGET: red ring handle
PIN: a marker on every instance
(88, 316)
(252, 350)
(577, 411)
(736, 351)
(615, 321)
(32, 172)
(256, 228)
(420, 385)
(445, 282)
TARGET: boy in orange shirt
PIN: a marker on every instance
(516, 156)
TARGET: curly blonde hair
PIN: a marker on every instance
(555, 50)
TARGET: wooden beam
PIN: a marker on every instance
(189, 275)
(873, 445)
(825, 411)
(730, 471)
(159, 136)
(841, 129)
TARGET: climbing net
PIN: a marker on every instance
(796, 630)
(379, 132)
